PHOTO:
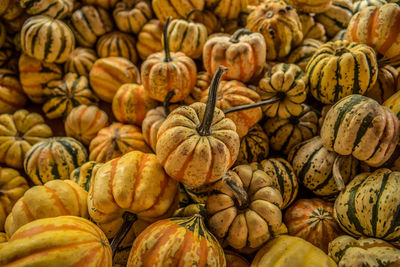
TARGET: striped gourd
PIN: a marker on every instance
(385, 85)
(190, 210)
(176, 242)
(151, 123)
(370, 206)
(10, 10)
(175, 9)
(210, 20)
(234, 259)
(117, 44)
(80, 61)
(310, 6)
(312, 29)
(149, 39)
(285, 133)
(302, 54)
(46, 39)
(12, 96)
(360, 5)
(54, 158)
(284, 177)
(131, 16)
(57, 9)
(7, 59)
(254, 146)
(54, 198)
(203, 80)
(340, 35)
(198, 195)
(34, 76)
(393, 103)
(227, 9)
(83, 174)
(107, 4)
(60, 241)
(341, 68)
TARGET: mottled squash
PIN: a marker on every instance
(203, 80)
(361, 4)
(80, 61)
(83, 174)
(12, 96)
(131, 16)
(149, 39)
(385, 85)
(302, 54)
(57, 9)
(178, 9)
(254, 146)
(117, 44)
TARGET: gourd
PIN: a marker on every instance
(82, 175)
(203, 80)
(227, 10)
(106, 4)
(310, 6)
(176, 9)
(393, 103)
(302, 54)
(254, 146)
(360, 5)
(130, 16)
(385, 85)
(57, 9)
(12, 96)
(149, 39)
(311, 28)
(235, 259)
(80, 61)
(117, 44)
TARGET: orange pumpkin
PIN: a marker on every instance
(202, 83)
(149, 39)
(130, 16)
(385, 85)
(12, 96)
(117, 44)
(178, 9)
(80, 61)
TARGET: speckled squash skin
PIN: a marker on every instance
(385, 85)
(149, 39)
(393, 103)
(203, 81)
(80, 61)
(57, 9)
(311, 28)
(234, 259)
(310, 6)
(254, 146)
(107, 4)
(302, 54)
(131, 16)
(12, 96)
(360, 5)
(82, 175)
(226, 9)
(179, 9)
(117, 44)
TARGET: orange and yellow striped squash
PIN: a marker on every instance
(385, 85)
(178, 9)
(80, 61)
(149, 39)
(12, 96)
(393, 103)
(310, 6)
(203, 81)
(311, 28)
(131, 16)
(82, 175)
(151, 124)
(117, 44)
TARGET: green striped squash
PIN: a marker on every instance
(131, 16)
(302, 54)
(80, 61)
(393, 103)
(254, 146)
(340, 35)
(117, 44)
(54, 158)
(57, 9)
(370, 206)
(83, 174)
(360, 5)
(49, 40)
(385, 85)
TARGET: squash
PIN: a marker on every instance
(130, 16)
(280, 25)
(117, 44)
(149, 39)
(203, 80)
(311, 28)
(310, 6)
(3, 35)
(10, 10)
(34, 76)
(190, 210)
(82, 175)
(12, 187)
(64, 95)
(46, 39)
(8, 59)
(131, 103)
(210, 20)
(291, 251)
(254, 146)
(393, 103)
(57, 9)
(80, 61)
(287, 84)
(286, 133)
(176, 9)
(107, 4)
(116, 140)
(385, 85)
(312, 220)
(243, 53)
(302, 54)
(235, 259)
(196, 144)
(88, 23)
(176, 242)
(198, 195)
(359, 126)
(18, 133)
(84, 122)
(244, 208)
(12, 96)
(360, 5)
(378, 28)
(108, 74)
(369, 198)
(62, 241)
(54, 198)
(53, 158)
(15, 20)
(340, 35)
(348, 68)
(227, 9)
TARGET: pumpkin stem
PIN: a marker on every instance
(254, 105)
(337, 175)
(241, 197)
(238, 33)
(166, 44)
(194, 11)
(129, 219)
(166, 103)
(204, 127)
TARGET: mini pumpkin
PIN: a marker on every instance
(177, 9)
(80, 61)
(302, 54)
(203, 81)
(311, 28)
(130, 16)
(235, 259)
(361, 4)
(82, 175)
(12, 96)
(117, 44)
(107, 4)
(57, 9)
(254, 146)
(385, 85)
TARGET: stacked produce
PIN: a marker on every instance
(199, 133)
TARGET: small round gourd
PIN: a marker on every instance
(80, 61)
(12, 96)
(310, 6)
(227, 9)
(311, 28)
(149, 39)
(393, 103)
(130, 16)
(302, 54)
(361, 4)
(203, 80)
(176, 9)
(57, 9)
(254, 146)
(117, 44)
(385, 85)
(83, 175)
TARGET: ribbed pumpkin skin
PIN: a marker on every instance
(56, 39)
(369, 206)
(84, 122)
(130, 16)
(210, 20)
(89, 23)
(226, 9)
(385, 85)
(310, 6)
(254, 146)
(54, 158)
(176, 242)
(10, 10)
(12, 96)
(235, 259)
(117, 44)
(80, 61)
(149, 39)
(176, 9)
(151, 124)
(281, 30)
(359, 126)
(18, 132)
(312, 29)
(349, 68)
(292, 251)
(12, 186)
(54, 198)
(203, 81)
(135, 182)
(378, 27)
(340, 35)
(82, 175)
(108, 74)
(360, 5)
(57, 9)
(131, 103)
(61, 241)
(34, 75)
(302, 54)
(312, 220)
(393, 103)
(107, 4)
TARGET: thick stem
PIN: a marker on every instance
(241, 197)
(337, 175)
(166, 43)
(168, 98)
(254, 105)
(194, 11)
(129, 219)
(204, 127)
(238, 33)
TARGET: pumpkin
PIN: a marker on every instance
(190, 210)
(196, 144)
(176, 242)
(62, 241)
(54, 198)
(108, 74)
(130, 16)
(310, 6)
(340, 35)
(226, 9)
(135, 183)
(359, 126)
(285, 250)
(151, 124)
(378, 28)
(116, 140)
(34, 76)
(84, 122)
(12, 96)
(286, 133)
(12, 187)
(82, 175)
(80, 61)
(393, 103)
(235, 259)
(175, 9)
(283, 175)
(131, 103)
(198, 195)
(46, 39)
(203, 80)
(302, 54)
(311, 28)
(348, 251)
(385, 85)
(360, 5)
(288, 85)
(280, 25)
(57, 9)
(149, 39)
(312, 220)
(117, 44)
(244, 197)
(88, 23)
(16, 19)
(254, 146)
(243, 53)
(12, 11)
(176, 68)
(18, 132)
(341, 68)
(53, 158)
(210, 20)
(8, 59)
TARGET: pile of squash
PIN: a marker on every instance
(199, 133)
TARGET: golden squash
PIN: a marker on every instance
(235, 259)
(107, 4)
(178, 9)
(117, 44)
(385, 85)
(131, 16)
(302, 54)
(82, 175)
(80, 61)
(12, 96)
(227, 9)
(149, 39)
(203, 80)
(310, 6)
(57, 9)
(254, 146)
